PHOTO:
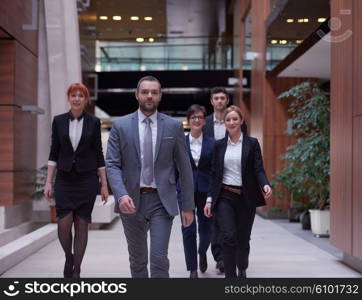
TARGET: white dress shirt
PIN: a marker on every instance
(141, 132)
(219, 129)
(232, 163)
(195, 147)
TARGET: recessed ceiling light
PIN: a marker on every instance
(140, 40)
(306, 20)
(290, 20)
(143, 68)
(273, 41)
(103, 18)
(300, 20)
(283, 42)
(299, 41)
(117, 18)
(135, 18)
(321, 20)
(148, 18)
(151, 40)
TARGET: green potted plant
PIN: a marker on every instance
(306, 171)
(38, 194)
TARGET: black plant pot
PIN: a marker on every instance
(293, 214)
(305, 220)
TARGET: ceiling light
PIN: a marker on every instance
(273, 42)
(300, 20)
(135, 18)
(148, 18)
(140, 40)
(290, 20)
(306, 20)
(117, 18)
(321, 20)
(151, 40)
(299, 41)
(103, 18)
(283, 42)
(184, 68)
(143, 68)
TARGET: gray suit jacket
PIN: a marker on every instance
(123, 162)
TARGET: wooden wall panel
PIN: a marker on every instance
(18, 83)
(357, 63)
(341, 130)
(13, 15)
(6, 188)
(7, 70)
(259, 13)
(357, 180)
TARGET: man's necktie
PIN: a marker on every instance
(147, 162)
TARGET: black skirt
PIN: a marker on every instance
(76, 192)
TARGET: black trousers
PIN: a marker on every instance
(235, 220)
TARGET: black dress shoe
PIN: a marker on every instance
(193, 274)
(203, 262)
(220, 266)
(241, 274)
(68, 266)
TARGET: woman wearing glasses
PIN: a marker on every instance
(239, 185)
(200, 148)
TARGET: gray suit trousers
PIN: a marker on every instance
(151, 216)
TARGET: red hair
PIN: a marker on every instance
(77, 86)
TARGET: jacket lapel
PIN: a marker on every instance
(189, 151)
(66, 121)
(136, 135)
(244, 155)
(160, 126)
(84, 131)
(222, 155)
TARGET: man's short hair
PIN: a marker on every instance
(217, 90)
(148, 78)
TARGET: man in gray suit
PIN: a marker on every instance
(144, 150)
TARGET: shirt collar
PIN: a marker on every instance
(142, 116)
(240, 140)
(71, 117)
(217, 121)
(195, 140)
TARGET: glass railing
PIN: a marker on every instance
(196, 53)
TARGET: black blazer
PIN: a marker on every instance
(88, 155)
(253, 174)
(202, 172)
(209, 127)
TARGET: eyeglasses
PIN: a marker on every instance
(194, 118)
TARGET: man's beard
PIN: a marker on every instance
(148, 109)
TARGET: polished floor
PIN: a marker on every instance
(276, 251)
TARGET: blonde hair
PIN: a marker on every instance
(231, 109)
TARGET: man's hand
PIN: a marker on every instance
(126, 205)
(267, 191)
(187, 217)
(207, 210)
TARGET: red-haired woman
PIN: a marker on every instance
(76, 153)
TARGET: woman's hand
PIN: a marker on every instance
(48, 191)
(207, 210)
(104, 193)
(267, 191)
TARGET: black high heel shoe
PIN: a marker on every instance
(68, 266)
